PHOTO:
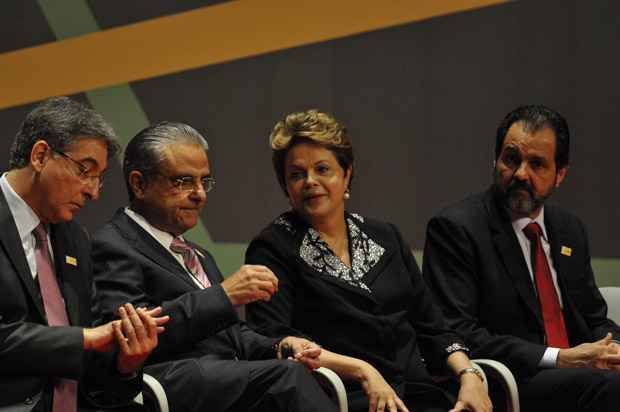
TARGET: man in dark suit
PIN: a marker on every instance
(513, 276)
(208, 359)
(51, 358)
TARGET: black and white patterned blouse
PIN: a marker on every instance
(365, 252)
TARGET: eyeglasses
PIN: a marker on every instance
(189, 184)
(83, 170)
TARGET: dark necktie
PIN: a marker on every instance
(65, 390)
(555, 329)
(191, 260)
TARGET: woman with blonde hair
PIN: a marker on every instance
(351, 284)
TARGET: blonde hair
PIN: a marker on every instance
(310, 126)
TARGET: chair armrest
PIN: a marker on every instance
(507, 379)
(485, 380)
(332, 384)
(156, 390)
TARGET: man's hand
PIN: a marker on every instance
(250, 283)
(99, 339)
(301, 350)
(136, 335)
(600, 354)
(381, 396)
(472, 395)
(610, 360)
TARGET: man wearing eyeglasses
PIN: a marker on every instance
(51, 358)
(207, 359)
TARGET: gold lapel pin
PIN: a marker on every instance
(566, 251)
(71, 260)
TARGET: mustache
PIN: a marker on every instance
(516, 184)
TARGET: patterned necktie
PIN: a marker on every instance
(191, 260)
(65, 390)
(555, 329)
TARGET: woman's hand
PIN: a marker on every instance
(473, 395)
(381, 396)
(301, 350)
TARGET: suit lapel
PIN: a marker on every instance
(68, 275)
(208, 264)
(144, 243)
(509, 250)
(12, 244)
(558, 239)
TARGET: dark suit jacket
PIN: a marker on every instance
(32, 353)
(392, 327)
(132, 266)
(475, 266)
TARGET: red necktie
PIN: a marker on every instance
(191, 260)
(65, 390)
(555, 329)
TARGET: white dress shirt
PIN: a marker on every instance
(26, 221)
(164, 238)
(549, 359)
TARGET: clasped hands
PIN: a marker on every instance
(301, 350)
(135, 334)
(602, 354)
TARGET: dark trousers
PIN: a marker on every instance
(202, 384)
(283, 386)
(571, 390)
(419, 397)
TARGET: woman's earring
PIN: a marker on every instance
(347, 194)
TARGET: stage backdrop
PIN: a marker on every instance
(420, 85)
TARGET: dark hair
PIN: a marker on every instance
(535, 118)
(146, 151)
(61, 122)
(310, 126)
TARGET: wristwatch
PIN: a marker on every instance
(471, 370)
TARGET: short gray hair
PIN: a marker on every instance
(61, 122)
(146, 151)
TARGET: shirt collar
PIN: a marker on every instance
(520, 224)
(161, 236)
(25, 218)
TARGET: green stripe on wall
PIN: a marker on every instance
(120, 106)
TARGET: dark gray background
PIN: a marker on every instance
(422, 102)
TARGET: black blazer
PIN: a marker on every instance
(132, 266)
(32, 353)
(392, 327)
(475, 266)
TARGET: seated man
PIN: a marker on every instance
(512, 273)
(207, 360)
(50, 357)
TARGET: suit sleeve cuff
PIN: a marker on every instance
(549, 359)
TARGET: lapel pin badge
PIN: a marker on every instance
(566, 251)
(71, 260)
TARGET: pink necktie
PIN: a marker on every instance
(65, 390)
(555, 329)
(191, 260)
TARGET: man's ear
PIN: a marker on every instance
(560, 175)
(137, 183)
(40, 153)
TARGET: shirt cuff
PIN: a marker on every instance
(549, 359)
(456, 347)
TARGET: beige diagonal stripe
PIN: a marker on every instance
(198, 38)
